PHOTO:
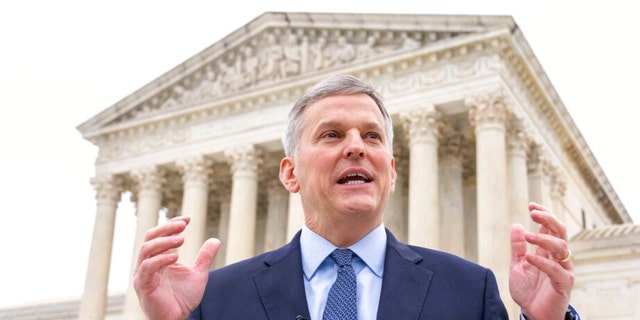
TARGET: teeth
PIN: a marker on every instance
(349, 179)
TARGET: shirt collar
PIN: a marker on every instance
(371, 249)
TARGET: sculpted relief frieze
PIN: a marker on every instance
(278, 54)
(166, 120)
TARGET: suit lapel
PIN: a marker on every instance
(404, 283)
(280, 285)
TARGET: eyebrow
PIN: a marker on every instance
(368, 126)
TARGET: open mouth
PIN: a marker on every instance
(354, 178)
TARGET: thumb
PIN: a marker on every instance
(518, 244)
(207, 252)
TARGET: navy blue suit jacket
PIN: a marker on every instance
(417, 283)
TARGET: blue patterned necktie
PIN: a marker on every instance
(341, 302)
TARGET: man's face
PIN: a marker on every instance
(343, 168)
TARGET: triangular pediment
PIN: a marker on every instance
(276, 48)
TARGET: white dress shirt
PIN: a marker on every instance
(320, 271)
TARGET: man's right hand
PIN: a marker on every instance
(168, 289)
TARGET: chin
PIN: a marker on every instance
(360, 209)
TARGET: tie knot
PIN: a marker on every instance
(342, 256)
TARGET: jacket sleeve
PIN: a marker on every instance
(493, 306)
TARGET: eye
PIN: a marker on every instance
(374, 135)
(329, 135)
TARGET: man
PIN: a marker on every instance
(338, 148)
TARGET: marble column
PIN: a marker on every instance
(295, 218)
(451, 192)
(196, 172)
(488, 113)
(261, 219)
(517, 147)
(470, 195)
(244, 162)
(278, 204)
(149, 181)
(395, 218)
(421, 129)
(224, 197)
(94, 298)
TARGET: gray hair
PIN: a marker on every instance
(332, 86)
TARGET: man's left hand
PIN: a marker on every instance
(540, 281)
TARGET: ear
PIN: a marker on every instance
(287, 175)
(394, 175)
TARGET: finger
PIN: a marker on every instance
(548, 245)
(561, 276)
(173, 226)
(207, 253)
(549, 223)
(148, 268)
(518, 244)
(158, 246)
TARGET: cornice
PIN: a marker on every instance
(607, 243)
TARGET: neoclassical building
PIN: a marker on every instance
(480, 132)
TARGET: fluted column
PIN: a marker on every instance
(224, 197)
(196, 171)
(94, 299)
(262, 211)
(470, 195)
(149, 181)
(244, 163)
(488, 113)
(517, 146)
(395, 218)
(421, 129)
(451, 192)
(295, 218)
(276, 231)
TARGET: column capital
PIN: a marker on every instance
(108, 187)
(518, 140)
(421, 123)
(246, 158)
(487, 107)
(149, 177)
(558, 183)
(195, 168)
(538, 160)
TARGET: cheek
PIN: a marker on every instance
(388, 173)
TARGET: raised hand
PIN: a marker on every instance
(540, 281)
(169, 290)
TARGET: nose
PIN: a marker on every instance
(354, 148)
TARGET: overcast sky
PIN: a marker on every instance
(62, 62)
